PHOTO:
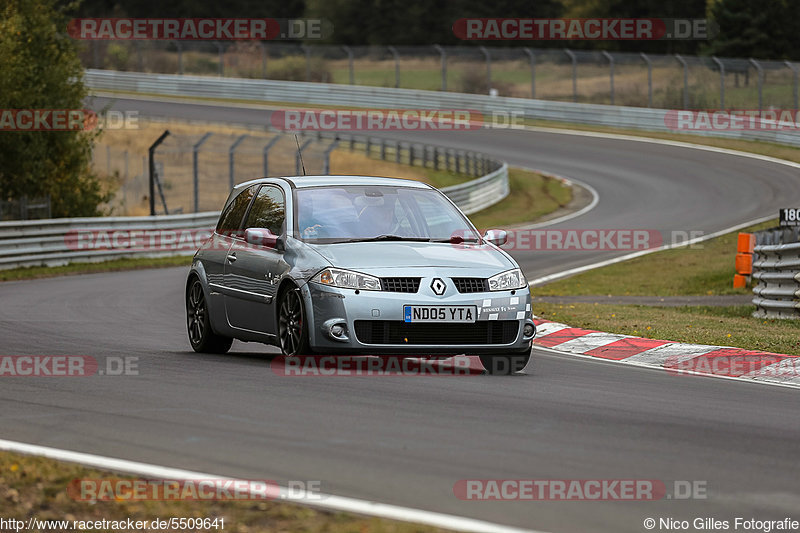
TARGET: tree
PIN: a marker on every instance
(41, 70)
(763, 30)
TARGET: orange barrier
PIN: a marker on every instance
(744, 259)
(746, 243)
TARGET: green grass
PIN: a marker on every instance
(88, 268)
(35, 486)
(706, 268)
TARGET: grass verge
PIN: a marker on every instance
(37, 487)
(703, 271)
(706, 268)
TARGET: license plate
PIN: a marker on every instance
(440, 313)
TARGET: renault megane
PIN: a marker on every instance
(357, 265)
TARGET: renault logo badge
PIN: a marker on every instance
(438, 286)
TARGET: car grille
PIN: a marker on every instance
(400, 284)
(471, 284)
(399, 332)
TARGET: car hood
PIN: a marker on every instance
(363, 255)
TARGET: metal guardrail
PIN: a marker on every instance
(56, 242)
(776, 269)
(481, 193)
(387, 98)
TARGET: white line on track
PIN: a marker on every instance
(323, 501)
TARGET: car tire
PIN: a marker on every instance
(201, 336)
(292, 324)
(504, 365)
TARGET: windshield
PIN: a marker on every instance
(354, 213)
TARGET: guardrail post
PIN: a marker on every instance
(574, 60)
(383, 149)
(298, 163)
(196, 170)
(327, 157)
(721, 81)
(649, 78)
(307, 52)
(263, 48)
(350, 63)
(179, 46)
(231, 152)
(139, 59)
(760, 72)
(685, 80)
(610, 73)
(532, 58)
(152, 170)
(396, 56)
(265, 153)
(221, 55)
(488, 67)
(794, 81)
(443, 55)
(397, 149)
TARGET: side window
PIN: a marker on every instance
(231, 218)
(268, 211)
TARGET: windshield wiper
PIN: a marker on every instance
(388, 238)
(457, 240)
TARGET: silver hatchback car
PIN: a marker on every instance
(357, 265)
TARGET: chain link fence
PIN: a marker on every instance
(619, 78)
(194, 173)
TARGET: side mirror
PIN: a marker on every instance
(261, 237)
(497, 237)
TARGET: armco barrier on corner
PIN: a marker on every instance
(776, 269)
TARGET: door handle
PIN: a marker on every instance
(231, 257)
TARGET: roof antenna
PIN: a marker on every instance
(300, 153)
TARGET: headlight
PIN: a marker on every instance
(347, 279)
(511, 279)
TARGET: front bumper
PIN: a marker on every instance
(328, 306)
